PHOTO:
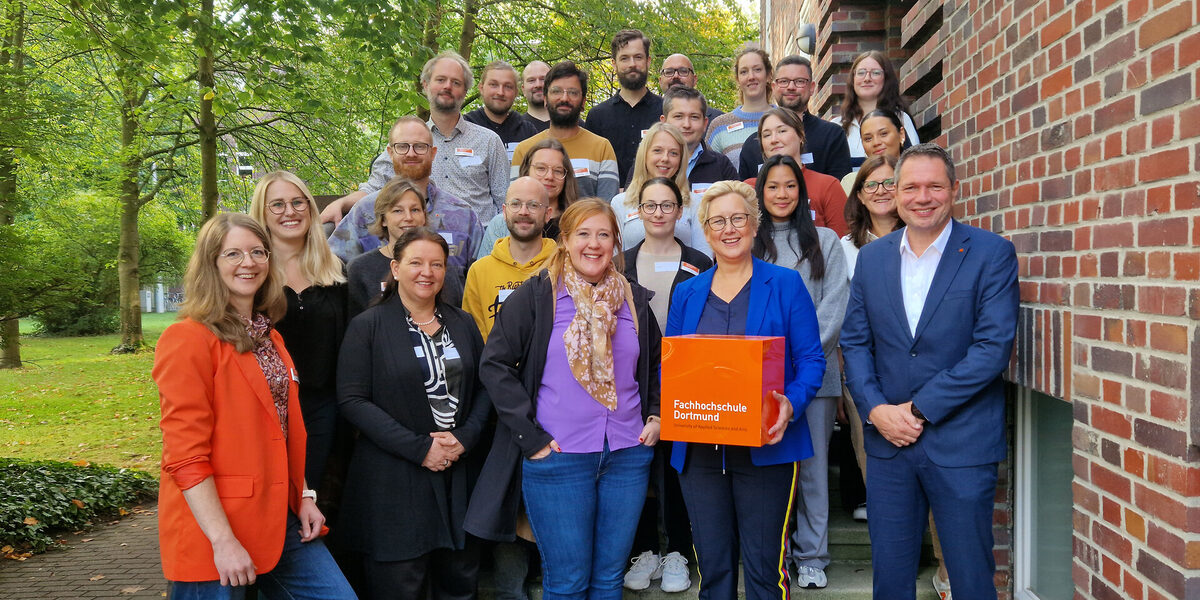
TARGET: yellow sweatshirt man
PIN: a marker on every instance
(495, 276)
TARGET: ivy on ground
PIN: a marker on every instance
(41, 498)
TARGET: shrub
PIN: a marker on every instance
(44, 497)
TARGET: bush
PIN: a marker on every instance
(45, 497)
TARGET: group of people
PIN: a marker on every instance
(470, 362)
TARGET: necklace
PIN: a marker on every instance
(431, 320)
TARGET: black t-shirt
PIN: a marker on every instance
(622, 125)
(514, 130)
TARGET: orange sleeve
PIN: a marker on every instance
(184, 373)
(828, 199)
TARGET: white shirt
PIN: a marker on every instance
(916, 274)
(851, 251)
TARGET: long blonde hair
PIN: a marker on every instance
(317, 262)
(206, 297)
(633, 191)
(582, 210)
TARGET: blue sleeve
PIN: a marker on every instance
(858, 349)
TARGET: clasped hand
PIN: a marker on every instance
(896, 423)
(445, 450)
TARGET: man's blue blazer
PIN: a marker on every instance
(951, 368)
(779, 306)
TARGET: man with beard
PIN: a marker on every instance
(677, 71)
(592, 157)
(514, 258)
(411, 150)
(825, 147)
(498, 91)
(624, 118)
(533, 87)
(684, 107)
(471, 162)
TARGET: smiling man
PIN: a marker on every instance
(928, 333)
(624, 118)
(677, 71)
(533, 87)
(685, 107)
(498, 92)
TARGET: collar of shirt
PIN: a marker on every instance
(431, 197)
(458, 127)
(695, 158)
(938, 244)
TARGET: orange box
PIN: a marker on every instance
(716, 389)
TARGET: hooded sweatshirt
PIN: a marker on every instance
(495, 276)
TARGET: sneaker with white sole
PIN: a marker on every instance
(675, 575)
(646, 567)
(810, 577)
(942, 587)
(860, 512)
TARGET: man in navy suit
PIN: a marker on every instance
(928, 331)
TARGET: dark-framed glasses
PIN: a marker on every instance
(799, 82)
(418, 148)
(667, 208)
(235, 257)
(681, 71)
(277, 207)
(738, 220)
(888, 184)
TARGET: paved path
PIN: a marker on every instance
(114, 560)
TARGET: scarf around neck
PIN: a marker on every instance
(588, 338)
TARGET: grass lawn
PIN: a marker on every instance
(74, 401)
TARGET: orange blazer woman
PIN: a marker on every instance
(218, 419)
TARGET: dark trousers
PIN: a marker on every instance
(901, 492)
(735, 503)
(320, 410)
(442, 574)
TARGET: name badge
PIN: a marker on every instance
(419, 351)
(469, 161)
(450, 352)
(644, 132)
(814, 214)
(512, 147)
(295, 377)
(806, 158)
(663, 266)
(448, 236)
(464, 152)
(735, 126)
(382, 286)
(503, 295)
(689, 267)
(580, 165)
(700, 188)
(633, 214)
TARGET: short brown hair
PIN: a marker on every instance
(626, 36)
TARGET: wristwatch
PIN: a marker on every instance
(917, 413)
(309, 494)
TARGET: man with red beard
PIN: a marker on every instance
(498, 91)
(624, 118)
(411, 150)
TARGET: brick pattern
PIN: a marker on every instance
(1076, 127)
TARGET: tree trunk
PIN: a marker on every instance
(429, 39)
(467, 39)
(10, 341)
(208, 123)
(129, 250)
(12, 63)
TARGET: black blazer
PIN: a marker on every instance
(393, 508)
(687, 254)
(513, 362)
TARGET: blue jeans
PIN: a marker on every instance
(305, 571)
(584, 509)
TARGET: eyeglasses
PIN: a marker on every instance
(402, 147)
(516, 206)
(649, 208)
(572, 93)
(235, 257)
(682, 72)
(799, 82)
(888, 184)
(738, 220)
(279, 206)
(542, 170)
(874, 73)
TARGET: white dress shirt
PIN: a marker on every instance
(916, 274)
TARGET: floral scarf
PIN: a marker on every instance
(588, 338)
(271, 364)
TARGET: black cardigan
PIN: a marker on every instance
(513, 361)
(393, 508)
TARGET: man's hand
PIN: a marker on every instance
(337, 209)
(896, 423)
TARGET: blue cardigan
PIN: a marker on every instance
(779, 306)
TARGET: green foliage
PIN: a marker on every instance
(44, 497)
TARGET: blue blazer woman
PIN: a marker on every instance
(779, 306)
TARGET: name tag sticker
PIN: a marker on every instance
(735, 126)
(663, 266)
(503, 295)
(580, 165)
(469, 161)
(464, 152)
(806, 158)
(448, 236)
(295, 377)
(814, 214)
(451, 352)
(633, 214)
(644, 132)
(689, 267)
(700, 188)
(419, 351)
(512, 148)
(382, 286)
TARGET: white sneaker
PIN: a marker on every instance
(675, 576)
(860, 512)
(646, 566)
(810, 577)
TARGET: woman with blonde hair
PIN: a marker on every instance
(233, 504)
(571, 366)
(662, 153)
(314, 284)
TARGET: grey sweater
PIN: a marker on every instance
(830, 294)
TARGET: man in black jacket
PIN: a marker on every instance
(685, 107)
(825, 147)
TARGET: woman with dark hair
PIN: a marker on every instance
(874, 85)
(792, 240)
(752, 73)
(572, 366)
(782, 133)
(882, 134)
(233, 504)
(547, 162)
(871, 207)
(660, 262)
(407, 379)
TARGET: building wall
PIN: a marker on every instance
(1076, 128)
